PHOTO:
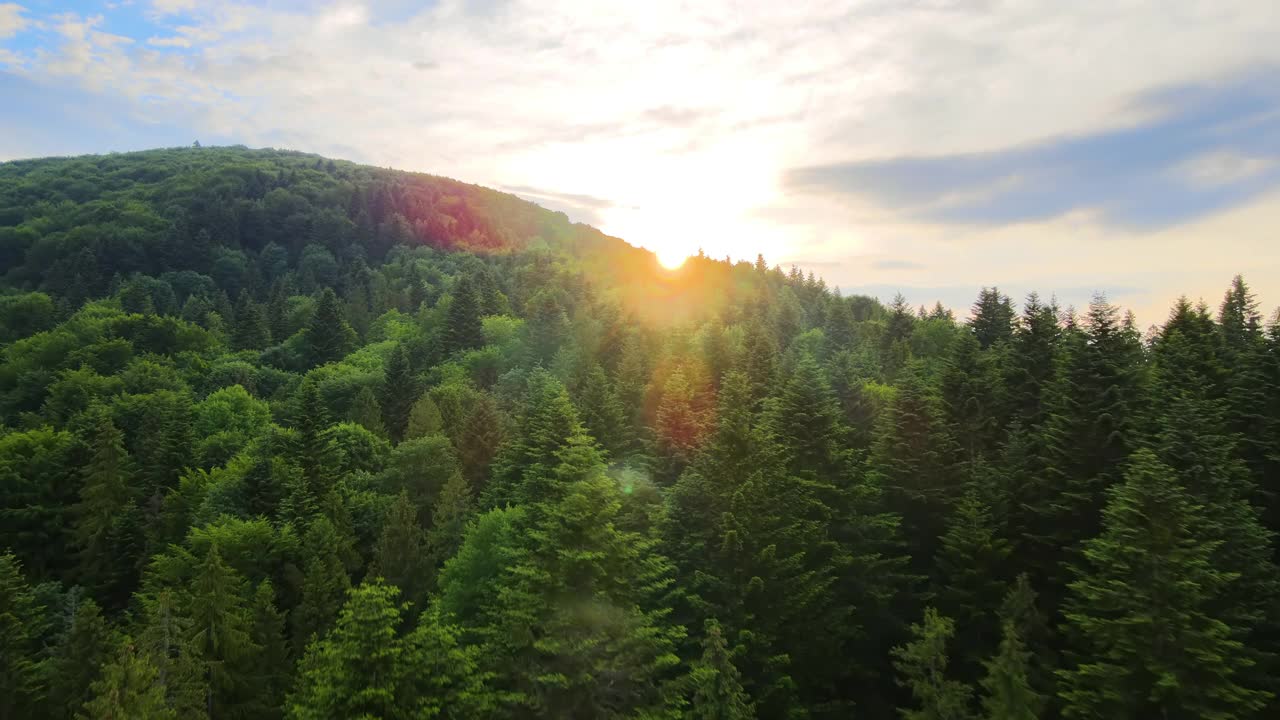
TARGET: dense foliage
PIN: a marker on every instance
(285, 437)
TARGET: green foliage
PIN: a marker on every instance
(1142, 610)
(922, 664)
(233, 381)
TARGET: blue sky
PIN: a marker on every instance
(929, 147)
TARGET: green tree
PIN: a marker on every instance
(131, 688)
(328, 337)
(250, 330)
(972, 562)
(76, 662)
(399, 557)
(20, 666)
(272, 666)
(718, 693)
(991, 318)
(399, 390)
(1008, 691)
(325, 581)
(922, 664)
(1140, 610)
(105, 522)
(424, 418)
(366, 412)
(221, 632)
(462, 329)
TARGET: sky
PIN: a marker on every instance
(929, 147)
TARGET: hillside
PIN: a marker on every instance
(283, 436)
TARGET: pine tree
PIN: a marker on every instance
(482, 435)
(971, 395)
(441, 676)
(909, 461)
(271, 673)
(602, 413)
(329, 337)
(250, 330)
(165, 639)
(462, 327)
(970, 579)
(366, 412)
(312, 422)
(220, 632)
(992, 318)
(449, 521)
(546, 422)
(131, 688)
(681, 423)
(718, 693)
(399, 389)
(895, 341)
(352, 671)
(325, 582)
(1032, 360)
(1140, 609)
(20, 668)
(78, 657)
(105, 524)
(400, 553)
(424, 418)
(922, 664)
(1009, 695)
(759, 353)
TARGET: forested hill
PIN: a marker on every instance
(289, 437)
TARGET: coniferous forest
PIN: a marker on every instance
(286, 437)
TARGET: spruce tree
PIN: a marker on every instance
(366, 412)
(399, 557)
(250, 330)
(922, 665)
(20, 666)
(1008, 691)
(992, 318)
(1141, 611)
(328, 337)
(449, 521)
(718, 693)
(220, 632)
(424, 418)
(482, 436)
(77, 659)
(105, 522)
(131, 688)
(462, 329)
(325, 582)
(271, 666)
(399, 390)
(970, 580)
(352, 671)
(602, 413)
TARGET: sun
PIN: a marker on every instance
(671, 258)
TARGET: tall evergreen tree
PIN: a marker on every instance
(400, 553)
(76, 662)
(20, 666)
(325, 582)
(106, 522)
(399, 391)
(220, 633)
(970, 580)
(131, 688)
(462, 329)
(992, 317)
(329, 337)
(250, 330)
(718, 693)
(1148, 641)
(1009, 695)
(922, 664)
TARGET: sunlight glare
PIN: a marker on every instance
(671, 258)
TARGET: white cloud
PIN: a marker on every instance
(12, 21)
(1217, 169)
(684, 115)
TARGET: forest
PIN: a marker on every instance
(290, 437)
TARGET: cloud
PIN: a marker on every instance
(971, 137)
(1201, 149)
(12, 21)
(897, 265)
